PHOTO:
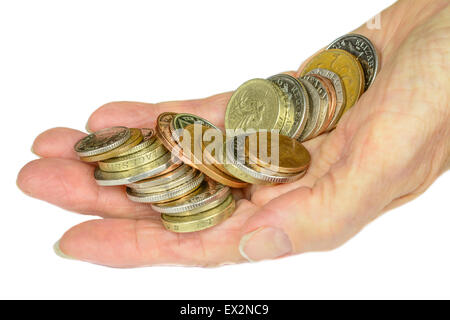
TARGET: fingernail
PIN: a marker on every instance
(59, 253)
(87, 127)
(265, 243)
(32, 151)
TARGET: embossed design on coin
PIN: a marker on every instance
(364, 50)
(158, 166)
(182, 120)
(256, 104)
(102, 141)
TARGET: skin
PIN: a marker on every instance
(387, 150)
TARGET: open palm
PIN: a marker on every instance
(385, 151)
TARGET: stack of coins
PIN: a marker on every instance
(146, 162)
(185, 167)
(302, 108)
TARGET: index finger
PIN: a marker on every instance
(143, 115)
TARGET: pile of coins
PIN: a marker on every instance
(186, 166)
(330, 83)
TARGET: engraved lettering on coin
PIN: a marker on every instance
(364, 50)
(298, 104)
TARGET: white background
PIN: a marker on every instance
(60, 60)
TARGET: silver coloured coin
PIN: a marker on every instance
(211, 195)
(143, 172)
(102, 141)
(159, 180)
(169, 185)
(324, 102)
(313, 114)
(364, 50)
(298, 101)
(238, 148)
(338, 88)
(169, 194)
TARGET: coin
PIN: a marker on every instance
(313, 114)
(188, 175)
(168, 195)
(237, 166)
(338, 90)
(269, 172)
(164, 133)
(135, 138)
(104, 178)
(205, 167)
(331, 101)
(102, 141)
(364, 50)
(202, 220)
(140, 158)
(256, 104)
(346, 66)
(160, 179)
(209, 195)
(324, 102)
(293, 156)
(298, 102)
(148, 138)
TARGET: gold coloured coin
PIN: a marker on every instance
(134, 139)
(293, 157)
(151, 169)
(256, 104)
(148, 138)
(346, 66)
(269, 172)
(202, 220)
(140, 158)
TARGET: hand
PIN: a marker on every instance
(387, 150)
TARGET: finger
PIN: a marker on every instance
(57, 143)
(141, 115)
(70, 185)
(145, 242)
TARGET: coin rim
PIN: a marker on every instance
(139, 173)
(215, 216)
(192, 208)
(105, 148)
